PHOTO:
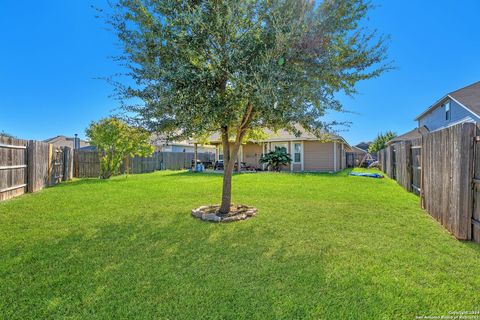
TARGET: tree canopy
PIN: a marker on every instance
(200, 67)
(6, 134)
(380, 141)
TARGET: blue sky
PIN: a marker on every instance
(52, 51)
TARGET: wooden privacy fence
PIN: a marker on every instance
(29, 166)
(13, 167)
(443, 167)
(87, 162)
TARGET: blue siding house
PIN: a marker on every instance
(462, 105)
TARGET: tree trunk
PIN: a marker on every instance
(227, 173)
(229, 157)
(227, 186)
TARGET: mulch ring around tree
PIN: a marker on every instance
(237, 213)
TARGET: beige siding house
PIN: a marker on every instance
(308, 152)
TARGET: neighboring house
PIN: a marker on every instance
(364, 146)
(408, 136)
(161, 144)
(309, 153)
(356, 156)
(71, 142)
(462, 105)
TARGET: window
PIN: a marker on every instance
(297, 153)
(220, 153)
(447, 111)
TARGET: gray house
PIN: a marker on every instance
(462, 105)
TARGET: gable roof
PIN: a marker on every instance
(410, 135)
(363, 145)
(468, 97)
(56, 138)
(284, 135)
(358, 150)
(62, 138)
(157, 139)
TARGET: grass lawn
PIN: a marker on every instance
(321, 247)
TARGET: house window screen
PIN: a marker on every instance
(297, 155)
(447, 111)
(220, 153)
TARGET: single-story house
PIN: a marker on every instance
(355, 156)
(162, 144)
(462, 105)
(363, 145)
(308, 152)
(71, 142)
(408, 136)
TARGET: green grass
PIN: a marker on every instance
(321, 247)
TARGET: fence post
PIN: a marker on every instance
(422, 170)
(407, 149)
(50, 157)
(30, 166)
(389, 161)
(465, 201)
(67, 164)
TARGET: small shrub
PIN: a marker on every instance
(276, 159)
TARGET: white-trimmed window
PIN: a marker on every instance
(220, 153)
(297, 152)
(448, 112)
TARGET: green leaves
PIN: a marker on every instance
(380, 141)
(196, 65)
(115, 140)
(276, 159)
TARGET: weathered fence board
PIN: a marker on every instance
(13, 161)
(476, 190)
(57, 166)
(447, 166)
(38, 165)
(403, 164)
(390, 168)
(416, 161)
(441, 167)
(29, 166)
(68, 164)
(86, 164)
(447, 175)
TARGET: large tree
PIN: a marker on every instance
(233, 66)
